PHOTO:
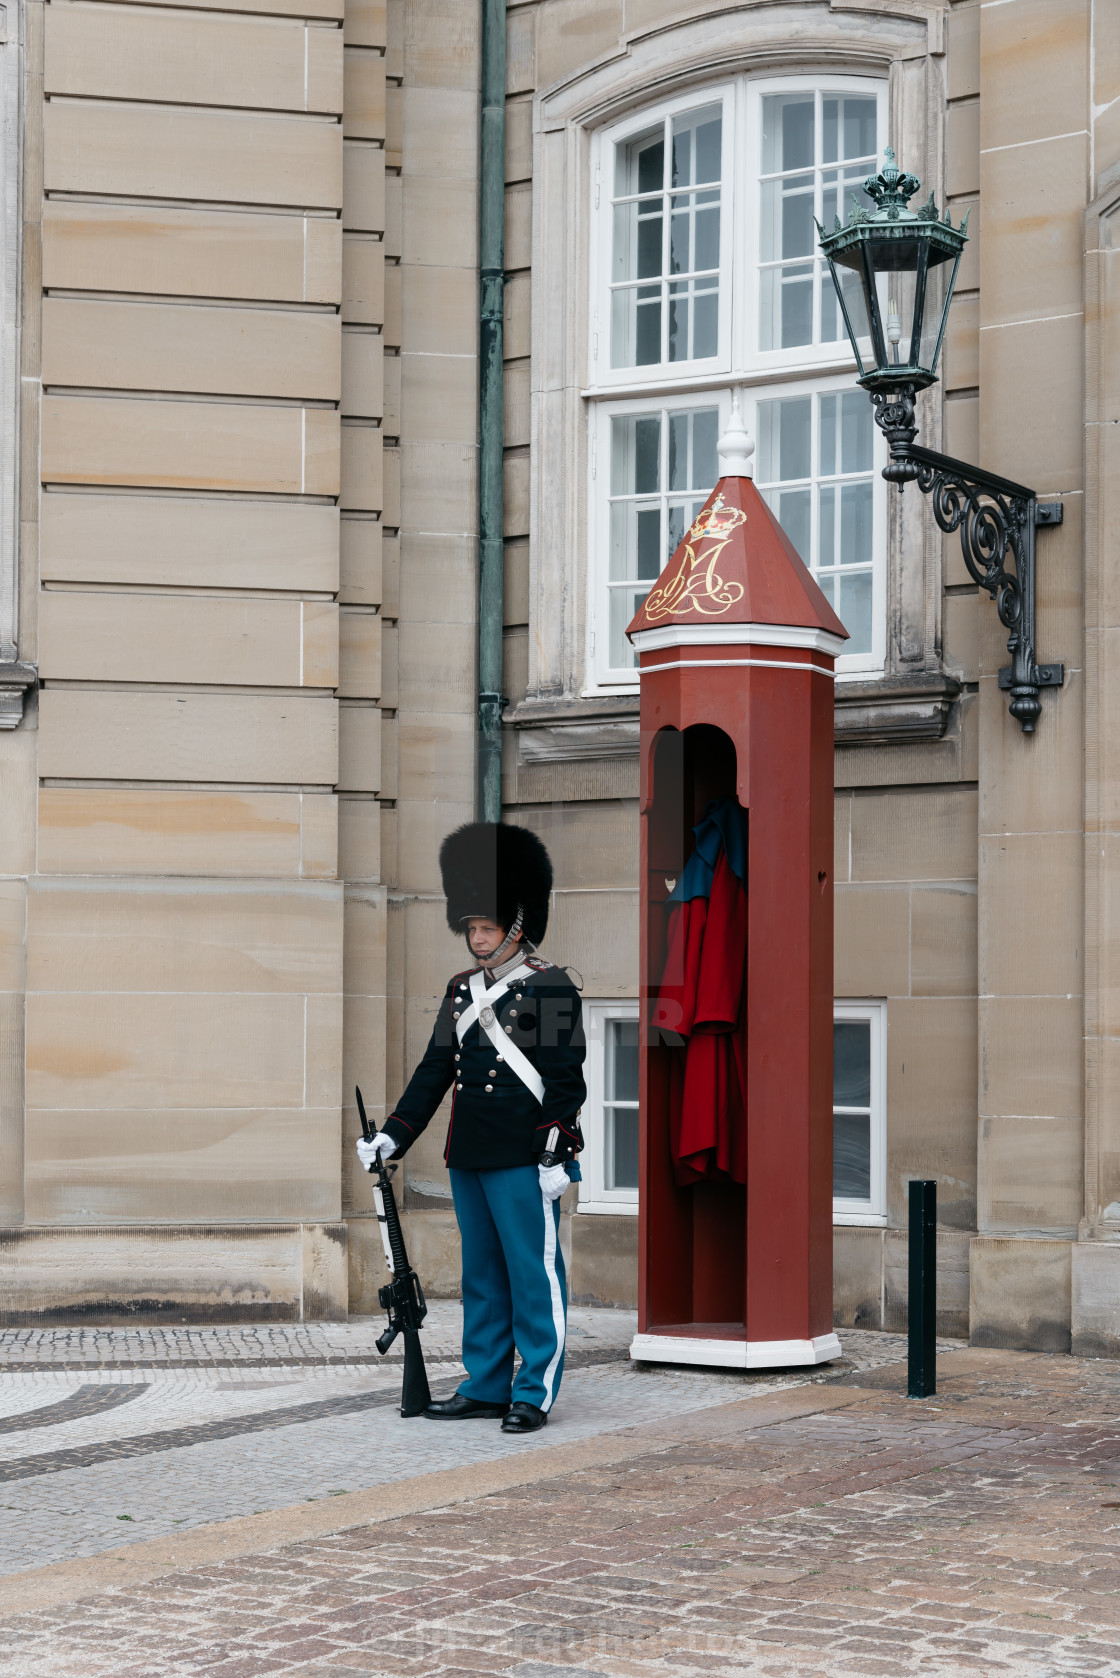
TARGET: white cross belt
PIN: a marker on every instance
(482, 1009)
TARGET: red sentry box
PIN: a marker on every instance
(736, 648)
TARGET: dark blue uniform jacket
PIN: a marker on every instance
(495, 1121)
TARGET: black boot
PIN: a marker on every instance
(460, 1408)
(524, 1418)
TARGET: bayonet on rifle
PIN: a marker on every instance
(402, 1297)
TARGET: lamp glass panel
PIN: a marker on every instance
(895, 266)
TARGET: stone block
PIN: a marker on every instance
(440, 311)
(119, 830)
(943, 940)
(361, 557)
(437, 756)
(1039, 443)
(857, 1277)
(918, 833)
(359, 839)
(363, 188)
(1020, 1293)
(519, 139)
(439, 398)
(365, 929)
(517, 322)
(1029, 1167)
(962, 149)
(439, 489)
(1030, 1058)
(1046, 958)
(103, 1051)
(1031, 264)
(872, 940)
(391, 508)
(1095, 1299)
(931, 1101)
(394, 212)
(363, 379)
(960, 632)
(597, 933)
(365, 24)
(394, 125)
(952, 1282)
(442, 216)
(152, 151)
(961, 355)
(391, 419)
(515, 478)
(18, 787)
(604, 1260)
(363, 281)
(573, 32)
(1032, 63)
(1033, 783)
(187, 736)
(962, 52)
(515, 586)
(163, 56)
(105, 637)
(393, 288)
(842, 838)
(593, 846)
(204, 1165)
(359, 655)
(189, 445)
(13, 934)
(146, 539)
(438, 580)
(423, 825)
(441, 45)
(440, 133)
(363, 108)
(363, 487)
(359, 747)
(191, 253)
(12, 1118)
(519, 226)
(198, 1273)
(517, 405)
(179, 937)
(521, 50)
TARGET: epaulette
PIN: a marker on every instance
(538, 964)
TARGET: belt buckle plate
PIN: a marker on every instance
(487, 1015)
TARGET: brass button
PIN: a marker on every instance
(513, 1013)
(458, 1086)
(517, 998)
(456, 1057)
(489, 1088)
(491, 1073)
(455, 1015)
(509, 1028)
(500, 1059)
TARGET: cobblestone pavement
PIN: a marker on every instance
(124, 1435)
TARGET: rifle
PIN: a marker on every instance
(403, 1297)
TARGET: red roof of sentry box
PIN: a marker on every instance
(736, 565)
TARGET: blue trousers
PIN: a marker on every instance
(514, 1288)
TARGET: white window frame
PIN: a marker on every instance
(740, 365)
(873, 1211)
(594, 1196)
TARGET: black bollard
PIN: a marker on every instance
(922, 1323)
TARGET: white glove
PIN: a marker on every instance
(381, 1146)
(554, 1180)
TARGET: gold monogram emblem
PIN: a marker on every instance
(696, 585)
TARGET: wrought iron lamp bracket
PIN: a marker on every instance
(996, 520)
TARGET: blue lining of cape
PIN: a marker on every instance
(723, 825)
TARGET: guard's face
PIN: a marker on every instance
(484, 936)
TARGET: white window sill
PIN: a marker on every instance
(860, 1220)
(614, 1208)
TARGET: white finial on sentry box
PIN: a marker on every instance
(736, 446)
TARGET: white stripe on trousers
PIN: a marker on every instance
(557, 1299)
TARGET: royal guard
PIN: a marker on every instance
(508, 1041)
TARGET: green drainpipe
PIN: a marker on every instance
(491, 264)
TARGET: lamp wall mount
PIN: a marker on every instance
(996, 520)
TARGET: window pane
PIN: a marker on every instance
(624, 603)
(854, 608)
(622, 1061)
(787, 132)
(851, 1063)
(851, 1156)
(636, 454)
(859, 127)
(622, 1149)
(639, 165)
(636, 326)
(785, 436)
(635, 542)
(696, 146)
(855, 524)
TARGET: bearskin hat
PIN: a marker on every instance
(492, 869)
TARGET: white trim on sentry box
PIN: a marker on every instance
(734, 1354)
(735, 634)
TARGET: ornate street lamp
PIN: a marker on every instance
(894, 269)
